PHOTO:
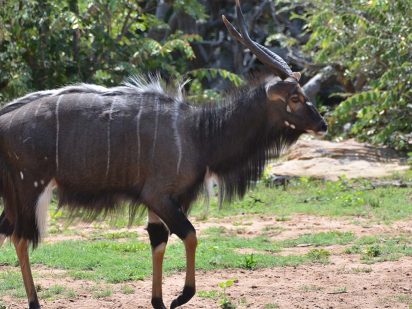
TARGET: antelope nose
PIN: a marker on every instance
(323, 127)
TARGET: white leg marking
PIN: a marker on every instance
(21, 175)
(2, 239)
(178, 139)
(287, 123)
(139, 114)
(156, 123)
(57, 131)
(41, 208)
(288, 109)
(108, 137)
(36, 184)
(292, 126)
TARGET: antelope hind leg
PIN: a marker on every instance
(2, 239)
(6, 228)
(21, 246)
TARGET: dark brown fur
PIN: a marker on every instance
(138, 144)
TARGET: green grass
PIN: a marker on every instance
(103, 258)
(127, 289)
(381, 248)
(271, 306)
(130, 260)
(11, 283)
(116, 262)
(102, 293)
(212, 294)
(319, 255)
(71, 294)
(349, 198)
(340, 290)
(405, 299)
(52, 292)
(352, 198)
(113, 235)
(321, 239)
(311, 288)
(358, 270)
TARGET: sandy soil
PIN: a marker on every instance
(344, 283)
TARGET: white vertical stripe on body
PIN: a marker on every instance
(176, 132)
(37, 109)
(108, 137)
(139, 114)
(15, 112)
(57, 131)
(156, 124)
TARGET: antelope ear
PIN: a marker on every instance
(296, 75)
(279, 90)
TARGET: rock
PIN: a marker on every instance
(329, 160)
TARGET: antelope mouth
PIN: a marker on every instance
(316, 133)
(321, 129)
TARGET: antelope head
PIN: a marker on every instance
(286, 100)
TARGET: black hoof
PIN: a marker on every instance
(157, 303)
(34, 305)
(187, 294)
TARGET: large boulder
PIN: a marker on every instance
(330, 160)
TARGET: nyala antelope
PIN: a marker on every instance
(98, 147)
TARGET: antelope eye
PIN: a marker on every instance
(295, 99)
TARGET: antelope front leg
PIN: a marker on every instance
(189, 289)
(158, 234)
(172, 215)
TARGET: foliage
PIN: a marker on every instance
(192, 7)
(47, 44)
(371, 41)
(50, 43)
(225, 302)
(250, 262)
(319, 255)
(198, 75)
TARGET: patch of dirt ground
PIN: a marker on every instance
(299, 224)
(343, 283)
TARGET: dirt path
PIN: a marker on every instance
(343, 283)
(297, 225)
(275, 228)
